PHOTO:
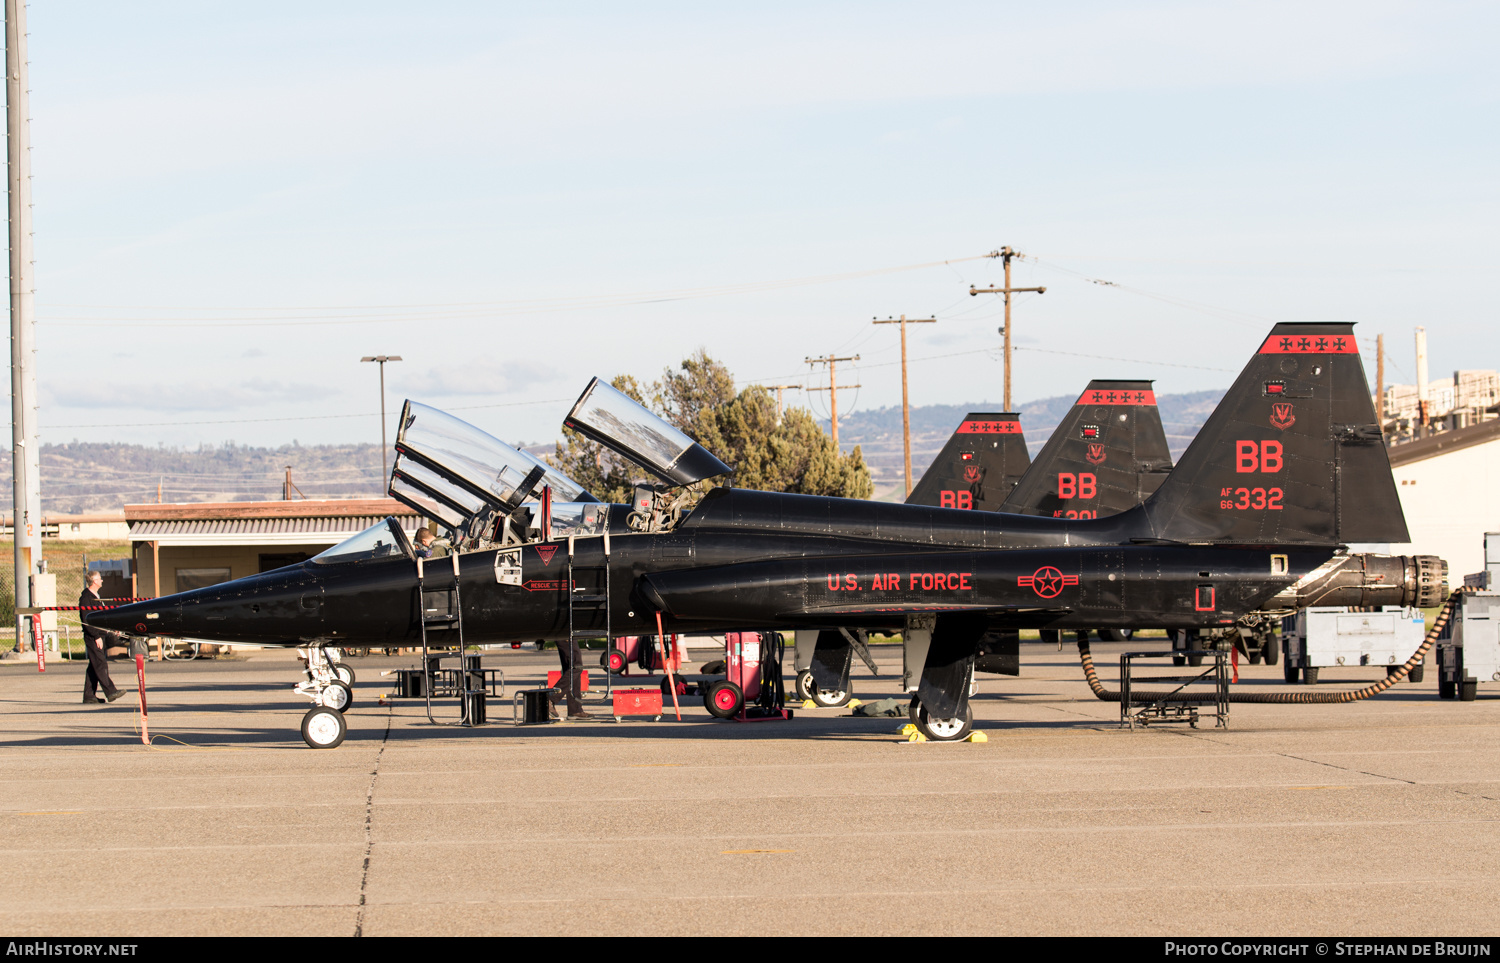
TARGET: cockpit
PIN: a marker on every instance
(487, 494)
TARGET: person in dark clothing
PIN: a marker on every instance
(94, 642)
(571, 682)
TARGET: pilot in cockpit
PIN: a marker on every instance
(429, 545)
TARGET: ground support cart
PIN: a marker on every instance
(1326, 636)
(751, 690)
(1139, 706)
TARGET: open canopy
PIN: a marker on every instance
(617, 421)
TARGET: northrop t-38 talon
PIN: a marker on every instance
(1287, 470)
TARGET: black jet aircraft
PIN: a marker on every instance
(1289, 468)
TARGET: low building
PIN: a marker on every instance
(1448, 484)
(187, 546)
(103, 526)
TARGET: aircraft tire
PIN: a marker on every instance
(723, 699)
(1179, 660)
(945, 730)
(1310, 674)
(804, 684)
(1050, 636)
(912, 707)
(1195, 659)
(338, 696)
(344, 674)
(323, 728)
(830, 698)
(1271, 648)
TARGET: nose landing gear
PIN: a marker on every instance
(328, 684)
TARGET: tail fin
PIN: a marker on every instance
(1108, 454)
(978, 466)
(1293, 455)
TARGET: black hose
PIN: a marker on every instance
(1280, 698)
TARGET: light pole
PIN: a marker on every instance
(382, 359)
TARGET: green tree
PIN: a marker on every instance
(790, 454)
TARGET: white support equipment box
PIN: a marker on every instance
(1468, 650)
(1325, 636)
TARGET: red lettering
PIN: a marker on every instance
(1066, 484)
(877, 584)
(1259, 496)
(1246, 456)
(1244, 494)
(833, 583)
(963, 581)
(927, 581)
(953, 581)
(1087, 485)
(1070, 514)
(940, 581)
(893, 582)
(850, 583)
(1275, 502)
(945, 500)
(1270, 456)
(916, 582)
(965, 500)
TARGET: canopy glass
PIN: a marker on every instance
(382, 540)
(617, 421)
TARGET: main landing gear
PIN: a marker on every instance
(954, 729)
(329, 684)
(824, 698)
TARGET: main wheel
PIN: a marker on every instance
(1179, 660)
(945, 730)
(338, 696)
(831, 698)
(804, 684)
(323, 728)
(1050, 636)
(1195, 659)
(344, 674)
(723, 699)
(1270, 648)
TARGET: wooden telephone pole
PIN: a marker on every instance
(1005, 255)
(833, 388)
(1380, 378)
(905, 399)
(779, 390)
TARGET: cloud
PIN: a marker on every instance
(476, 378)
(173, 395)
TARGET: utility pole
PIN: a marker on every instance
(26, 510)
(1380, 378)
(385, 472)
(779, 390)
(1005, 255)
(905, 399)
(833, 388)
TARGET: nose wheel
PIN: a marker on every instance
(323, 728)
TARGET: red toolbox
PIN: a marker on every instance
(637, 702)
(556, 674)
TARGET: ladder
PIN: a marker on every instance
(442, 607)
(585, 604)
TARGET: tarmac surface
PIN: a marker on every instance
(1363, 819)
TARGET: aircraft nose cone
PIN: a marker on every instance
(154, 617)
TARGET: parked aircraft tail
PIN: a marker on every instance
(1293, 455)
(979, 465)
(1107, 455)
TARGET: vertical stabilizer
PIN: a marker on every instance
(979, 465)
(1293, 455)
(1107, 455)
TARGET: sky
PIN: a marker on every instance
(235, 202)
